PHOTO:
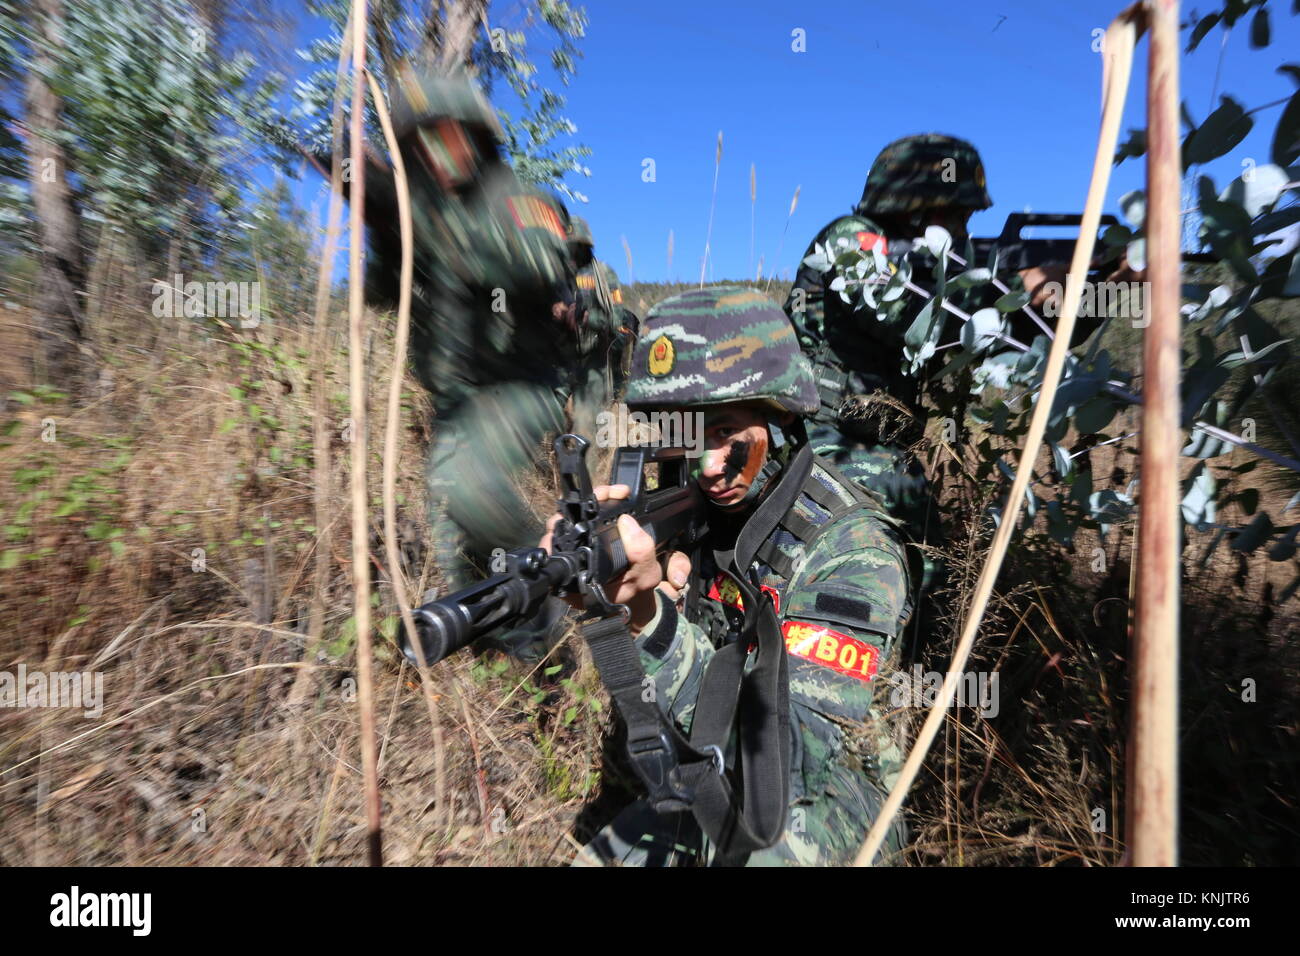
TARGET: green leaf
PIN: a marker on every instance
(1198, 500)
(938, 240)
(1094, 415)
(1012, 301)
(1257, 189)
(1259, 31)
(10, 559)
(1254, 534)
(1249, 500)
(973, 277)
(1133, 205)
(1284, 548)
(1060, 460)
(1222, 130)
(1132, 148)
(553, 670)
(1203, 26)
(1235, 359)
(982, 331)
(1286, 138)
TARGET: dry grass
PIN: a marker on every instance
(199, 757)
(165, 538)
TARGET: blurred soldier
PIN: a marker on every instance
(786, 528)
(606, 335)
(494, 323)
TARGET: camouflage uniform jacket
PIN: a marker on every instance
(488, 266)
(852, 351)
(598, 286)
(838, 573)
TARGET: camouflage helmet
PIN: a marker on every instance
(719, 345)
(929, 171)
(580, 232)
(419, 98)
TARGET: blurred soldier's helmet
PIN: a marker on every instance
(581, 244)
(580, 232)
(716, 346)
(925, 172)
(447, 123)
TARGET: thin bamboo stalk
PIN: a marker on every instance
(1153, 738)
(391, 451)
(1119, 42)
(357, 398)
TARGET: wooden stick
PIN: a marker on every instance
(1153, 738)
(392, 451)
(1119, 42)
(357, 397)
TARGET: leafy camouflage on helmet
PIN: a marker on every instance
(420, 97)
(718, 345)
(841, 612)
(930, 171)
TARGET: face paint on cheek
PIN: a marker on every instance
(756, 457)
(702, 463)
(737, 461)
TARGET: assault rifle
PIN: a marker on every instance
(1016, 253)
(586, 550)
(741, 808)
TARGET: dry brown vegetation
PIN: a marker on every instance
(166, 536)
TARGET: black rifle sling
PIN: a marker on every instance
(658, 750)
(760, 699)
(680, 774)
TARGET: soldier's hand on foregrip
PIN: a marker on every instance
(635, 587)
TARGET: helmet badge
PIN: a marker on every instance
(661, 356)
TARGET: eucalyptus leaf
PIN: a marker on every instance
(1198, 500)
(1133, 205)
(1095, 414)
(982, 331)
(1257, 189)
(1012, 301)
(938, 240)
(1137, 254)
(1254, 534)
(972, 277)
(1061, 461)
(1219, 134)
(1286, 137)
(1259, 30)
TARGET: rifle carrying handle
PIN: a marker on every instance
(1017, 221)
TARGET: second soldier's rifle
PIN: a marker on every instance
(1016, 253)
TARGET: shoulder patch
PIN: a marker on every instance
(842, 653)
(531, 212)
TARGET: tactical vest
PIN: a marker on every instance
(714, 604)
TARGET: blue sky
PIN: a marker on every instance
(1018, 78)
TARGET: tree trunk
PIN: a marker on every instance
(60, 331)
